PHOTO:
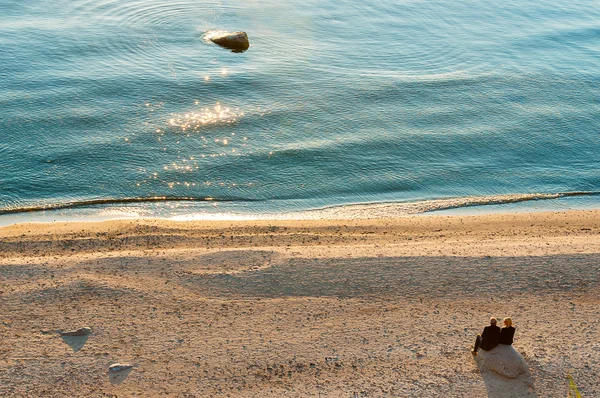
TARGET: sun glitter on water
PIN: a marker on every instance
(194, 121)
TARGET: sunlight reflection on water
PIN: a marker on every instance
(195, 120)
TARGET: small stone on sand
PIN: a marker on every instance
(119, 367)
(79, 332)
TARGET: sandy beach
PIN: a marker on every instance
(338, 308)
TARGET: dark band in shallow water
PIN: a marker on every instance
(100, 202)
(439, 205)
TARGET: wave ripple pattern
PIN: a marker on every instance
(116, 103)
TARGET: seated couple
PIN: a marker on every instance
(492, 335)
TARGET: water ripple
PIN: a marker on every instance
(147, 14)
(139, 33)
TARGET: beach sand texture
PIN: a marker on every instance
(356, 308)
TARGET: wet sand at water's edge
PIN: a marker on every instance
(356, 308)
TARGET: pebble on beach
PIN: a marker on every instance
(119, 367)
(85, 331)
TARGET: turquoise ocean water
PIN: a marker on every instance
(113, 108)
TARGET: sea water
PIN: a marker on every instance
(353, 108)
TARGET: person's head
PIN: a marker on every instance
(507, 322)
(493, 321)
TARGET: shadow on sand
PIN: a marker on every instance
(505, 373)
(75, 342)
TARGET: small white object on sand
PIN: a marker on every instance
(119, 367)
(118, 372)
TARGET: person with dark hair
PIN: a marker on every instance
(507, 333)
(489, 338)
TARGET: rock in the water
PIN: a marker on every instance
(119, 367)
(236, 41)
(79, 332)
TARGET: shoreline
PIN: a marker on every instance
(272, 308)
(179, 210)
